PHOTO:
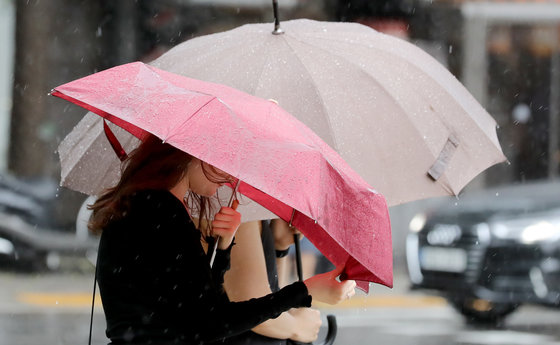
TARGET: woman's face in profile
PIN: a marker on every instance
(205, 179)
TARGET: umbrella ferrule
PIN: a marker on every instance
(292, 218)
(277, 30)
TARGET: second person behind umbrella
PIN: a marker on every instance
(253, 274)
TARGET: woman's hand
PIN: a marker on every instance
(283, 234)
(225, 224)
(248, 264)
(325, 288)
(308, 322)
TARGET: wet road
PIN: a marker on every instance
(442, 325)
(54, 310)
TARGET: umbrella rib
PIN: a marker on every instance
(359, 70)
(330, 126)
(470, 118)
(412, 63)
(253, 92)
(202, 56)
(196, 112)
(363, 72)
(382, 87)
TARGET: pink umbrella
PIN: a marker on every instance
(280, 162)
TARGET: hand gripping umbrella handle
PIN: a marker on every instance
(331, 319)
(233, 203)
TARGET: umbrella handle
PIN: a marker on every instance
(233, 204)
(332, 328)
(331, 319)
(298, 258)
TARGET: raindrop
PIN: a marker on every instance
(497, 194)
(99, 32)
(450, 49)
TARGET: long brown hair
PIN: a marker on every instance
(152, 165)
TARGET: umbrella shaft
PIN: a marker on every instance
(277, 29)
(298, 258)
(217, 241)
(275, 9)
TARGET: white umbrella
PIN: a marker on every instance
(395, 114)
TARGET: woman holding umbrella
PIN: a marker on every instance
(156, 282)
(153, 273)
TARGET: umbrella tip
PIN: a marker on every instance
(277, 30)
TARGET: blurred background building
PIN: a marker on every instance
(505, 52)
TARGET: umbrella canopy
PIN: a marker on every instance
(396, 115)
(282, 164)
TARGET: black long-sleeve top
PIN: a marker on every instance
(156, 284)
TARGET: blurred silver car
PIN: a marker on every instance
(29, 238)
(491, 251)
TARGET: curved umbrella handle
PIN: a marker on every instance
(331, 333)
(331, 319)
(331, 330)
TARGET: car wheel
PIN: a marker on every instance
(39, 262)
(482, 312)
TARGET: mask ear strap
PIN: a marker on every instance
(115, 144)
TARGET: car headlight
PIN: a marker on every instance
(528, 230)
(6, 247)
(541, 231)
(417, 222)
